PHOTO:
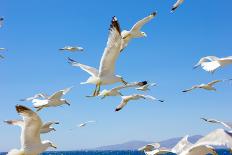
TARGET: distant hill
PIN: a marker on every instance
(134, 145)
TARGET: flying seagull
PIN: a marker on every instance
(208, 86)
(105, 75)
(146, 86)
(72, 48)
(183, 147)
(227, 125)
(45, 128)
(49, 101)
(135, 32)
(212, 63)
(2, 49)
(176, 5)
(85, 123)
(1, 21)
(126, 99)
(30, 133)
(115, 91)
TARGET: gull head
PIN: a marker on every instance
(104, 93)
(143, 34)
(48, 144)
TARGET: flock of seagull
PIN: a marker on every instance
(32, 126)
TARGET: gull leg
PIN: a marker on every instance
(99, 88)
(95, 90)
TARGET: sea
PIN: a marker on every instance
(220, 152)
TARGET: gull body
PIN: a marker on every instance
(105, 75)
(212, 63)
(227, 125)
(45, 128)
(30, 134)
(126, 99)
(176, 5)
(85, 123)
(115, 91)
(146, 86)
(49, 101)
(135, 32)
(208, 86)
(1, 21)
(72, 48)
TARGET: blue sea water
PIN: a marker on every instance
(220, 152)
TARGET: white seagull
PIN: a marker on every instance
(183, 147)
(105, 75)
(176, 5)
(146, 86)
(49, 101)
(208, 86)
(126, 99)
(115, 91)
(212, 63)
(225, 124)
(30, 134)
(85, 123)
(2, 49)
(1, 21)
(46, 127)
(135, 32)
(72, 48)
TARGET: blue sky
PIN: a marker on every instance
(34, 31)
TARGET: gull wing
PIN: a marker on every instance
(187, 90)
(177, 4)
(129, 85)
(181, 145)
(48, 124)
(91, 70)
(142, 22)
(15, 122)
(112, 50)
(214, 82)
(60, 93)
(30, 134)
(217, 137)
(40, 95)
(122, 104)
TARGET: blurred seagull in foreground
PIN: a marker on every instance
(208, 86)
(105, 75)
(30, 133)
(45, 128)
(135, 32)
(183, 147)
(212, 63)
(115, 91)
(146, 86)
(126, 99)
(72, 48)
(1, 21)
(85, 123)
(225, 124)
(49, 101)
(176, 5)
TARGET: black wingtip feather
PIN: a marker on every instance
(115, 24)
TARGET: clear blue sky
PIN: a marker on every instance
(34, 31)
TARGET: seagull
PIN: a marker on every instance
(212, 63)
(183, 147)
(1, 21)
(105, 75)
(49, 101)
(135, 32)
(85, 123)
(176, 5)
(2, 49)
(46, 127)
(208, 86)
(227, 125)
(146, 86)
(72, 48)
(126, 99)
(115, 91)
(30, 133)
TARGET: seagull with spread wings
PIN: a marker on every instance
(49, 101)
(135, 32)
(126, 99)
(105, 75)
(115, 91)
(176, 5)
(85, 123)
(208, 86)
(30, 133)
(146, 86)
(225, 124)
(212, 63)
(72, 48)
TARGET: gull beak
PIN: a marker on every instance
(145, 35)
(66, 102)
(53, 146)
